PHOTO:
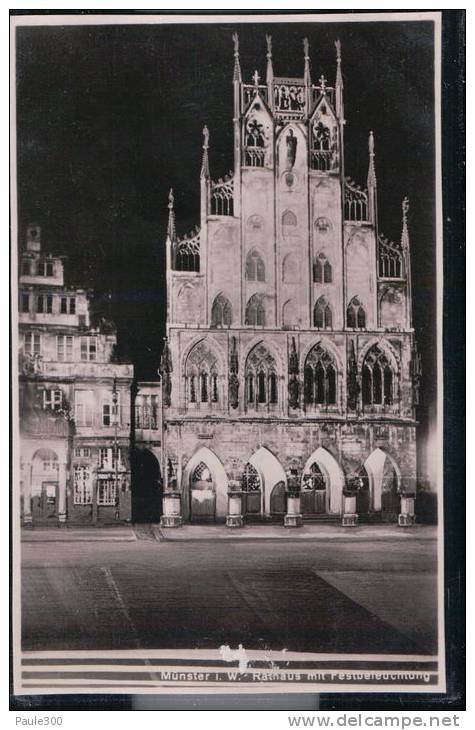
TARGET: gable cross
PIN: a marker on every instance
(323, 81)
(256, 78)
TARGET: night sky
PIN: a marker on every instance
(109, 118)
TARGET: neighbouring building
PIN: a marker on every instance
(290, 363)
(75, 401)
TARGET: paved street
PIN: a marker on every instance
(357, 596)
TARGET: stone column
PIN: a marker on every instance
(407, 517)
(27, 516)
(234, 518)
(62, 493)
(171, 516)
(293, 517)
(349, 517)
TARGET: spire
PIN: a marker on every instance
(339, 83)
(405, 230)
(306, 74)
(237, 67)
(204, 161)
(171, 232)
(270, 70)
(371, 169)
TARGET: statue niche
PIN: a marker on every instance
(291, 145)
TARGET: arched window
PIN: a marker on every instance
(251, 481)
(289, 218)
(255, 267)
(201, 374)
(261, 377)
(319, 378)
(322, 314)
(322, 270)
(221, 312)
(255, 311)
(377, 379)
(355, 315)
(201, 474)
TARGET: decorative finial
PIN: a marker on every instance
(171, 216)
(205, 162)
(256, 78)
(405, 230)
(237, 67)
(338, 51)
(371, 168)
(323, 82)
(270, 70)
(269, 46)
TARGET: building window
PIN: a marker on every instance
(204, 387)
(106, 414)
(107, 458)
(255, 311)
(64, 348)
(52, 399)
(49, 304)
(355, 315)
(82, 484)
(255, 268)
(26, 267)
(289, 219)
(72, 305)
(40, 304)
(319, 378)
(84, 407)
(107, 492)
(88, 348)
(49, 268)
(111, 411)
(377, 379)
(261, 377)
(214, 388)
(322, 314)
(25, 303)
(322, 270)
(146, 411)
(33, 343)
(221, 312)
(192, 388)
(64, 305)
(251, 481)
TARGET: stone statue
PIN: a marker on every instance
(291, 141)
(294, 391)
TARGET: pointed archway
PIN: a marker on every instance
(384, 479)
(333, 477)
(271, 473)
(204, 488)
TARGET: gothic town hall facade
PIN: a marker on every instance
(290, 361)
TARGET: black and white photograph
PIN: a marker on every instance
(226, 306)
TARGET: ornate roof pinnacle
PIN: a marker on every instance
(339, 83)
(270, 70)
(306, 74)
(237, 67)
(171, 231)
(371, 169)
(405, 230)
(204, 161)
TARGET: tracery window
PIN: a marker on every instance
(251, 481)
(390, 260)
(255, 311)
(221, 312)
(355, 315)
(255, 267)
(261, 377)
(201, 374)
(322, 270)
(377, 379)
(201, 474)
(320, 377)
(289, 223)
(322, 314)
